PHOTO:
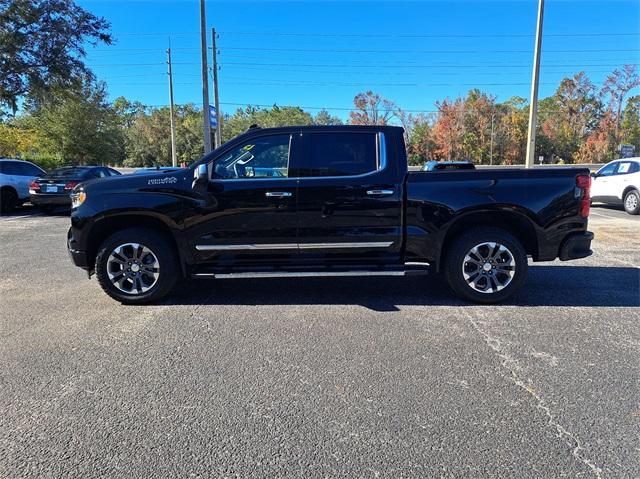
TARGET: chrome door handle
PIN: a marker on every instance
(278, 194)
(380, 192)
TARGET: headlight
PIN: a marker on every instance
(77, 198)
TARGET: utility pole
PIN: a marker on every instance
(205, 80)
(174, 156)
(491, 147)
(533, 107)
(216, 101)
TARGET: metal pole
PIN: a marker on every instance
(491, 147)
(205, 80)
(174, 156)
(533, 107)
(218, 135)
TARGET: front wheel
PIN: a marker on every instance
(136, 266)
(632, 202)
(486, 265)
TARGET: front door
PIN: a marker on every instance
(603, 184)
(349, 199)
(250, 212)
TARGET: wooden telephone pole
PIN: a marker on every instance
(174, 156)
(205, 80)
(218, 136)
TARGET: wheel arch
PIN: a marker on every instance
(109, 225)
(628, 189)
(516, 224)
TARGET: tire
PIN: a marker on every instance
(632, 202)
(466, 272)
(8, 200)
(154, 258)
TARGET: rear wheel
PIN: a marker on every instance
(632, 202)
(8, 200)
(486, 265)
(136, 266)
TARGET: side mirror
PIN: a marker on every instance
(594, 175)
(200, 175)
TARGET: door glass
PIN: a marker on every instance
(341, 154)
(624, 167)
(608, 170)
(262, 157)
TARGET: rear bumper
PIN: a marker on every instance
(576, 246)
(52, 199)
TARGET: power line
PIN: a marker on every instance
(434, 35)
(330, 50)
(379, 65)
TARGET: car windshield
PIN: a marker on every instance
(68, 171)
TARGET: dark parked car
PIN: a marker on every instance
(54, 189)
(342, 204)
(447, 165)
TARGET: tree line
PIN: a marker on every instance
(53, 110)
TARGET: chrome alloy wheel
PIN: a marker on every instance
(133, 268)
(631, 202)
(488, 267)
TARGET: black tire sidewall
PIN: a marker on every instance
(464, 243)
(8, 200)
(637, 208)
(163, 251)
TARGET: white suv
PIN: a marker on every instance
(15, 176)
(618, 183)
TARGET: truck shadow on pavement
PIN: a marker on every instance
(546, 286)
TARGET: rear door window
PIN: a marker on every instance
(340, 154)
(626, 167)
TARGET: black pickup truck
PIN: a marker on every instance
(326, 201)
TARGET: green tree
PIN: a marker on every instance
(242, 119)
(42, 43)
(323, 117)
(78, 124)
(630, 126)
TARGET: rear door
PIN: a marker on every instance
(624, 176)
(349, 198)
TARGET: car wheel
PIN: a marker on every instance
(8, 200)
(632, 202)
(486, 265)
(136, 266)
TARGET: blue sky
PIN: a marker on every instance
(321, 53)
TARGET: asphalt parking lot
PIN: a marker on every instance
(319, 377)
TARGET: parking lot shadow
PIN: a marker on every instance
(546, 286)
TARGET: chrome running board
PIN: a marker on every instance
(310, 274)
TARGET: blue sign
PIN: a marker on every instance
(213, 118)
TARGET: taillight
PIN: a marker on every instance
(583, 184)
(71, 185)
(34, 186)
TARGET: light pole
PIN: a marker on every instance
(205, 80)
(533, 107)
